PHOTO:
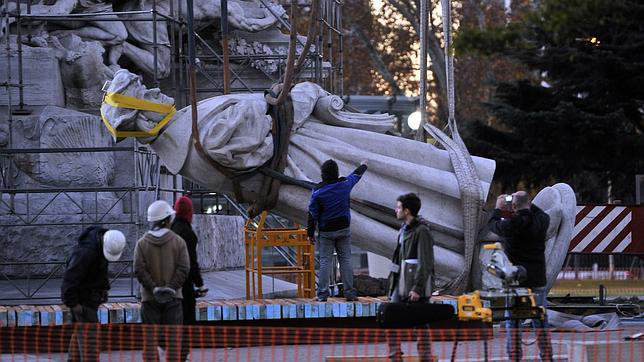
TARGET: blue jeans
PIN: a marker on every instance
(513, 332)
(340, 241)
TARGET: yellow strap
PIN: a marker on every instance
(121, 101)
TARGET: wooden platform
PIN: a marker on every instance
(210, 310)
(213, 310)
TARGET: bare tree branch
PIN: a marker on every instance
(375, 56)
(434, 50)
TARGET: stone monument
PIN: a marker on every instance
(235, 132)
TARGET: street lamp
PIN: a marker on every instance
(413, 121)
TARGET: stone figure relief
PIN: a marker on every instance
(61, 128)
(111, 34)
(247, 15)
(235, 131)
(89, 51)
(134, 39)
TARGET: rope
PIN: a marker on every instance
(468, 181)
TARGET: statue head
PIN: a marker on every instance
(124, 117)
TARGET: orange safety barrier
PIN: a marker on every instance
(125, 342)
(258, 237)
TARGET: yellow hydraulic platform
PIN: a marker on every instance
(258, 237)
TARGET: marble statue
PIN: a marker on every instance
(235, 131)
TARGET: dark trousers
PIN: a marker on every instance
(170, 313)
(189, 304)
(423, 343)
(84, 345)
(513, 332)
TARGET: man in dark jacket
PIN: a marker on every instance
(525, 245)
(329, 209)
(412, 266)
(182, 227)
(85, 285)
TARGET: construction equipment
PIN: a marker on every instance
(497, 304)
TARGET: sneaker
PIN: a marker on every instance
(320, 299)
(352, 299)
(396, 356)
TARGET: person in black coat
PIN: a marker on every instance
(182, 227)
(524, 233)
(85, 283)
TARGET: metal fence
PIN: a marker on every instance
(42, 280)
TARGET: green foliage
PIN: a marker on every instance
(492, 40)
(579, 119)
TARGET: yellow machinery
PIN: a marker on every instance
(508, 302)
(258, 237)
(470, 308)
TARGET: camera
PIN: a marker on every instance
(508, 199)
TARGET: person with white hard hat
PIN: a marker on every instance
(85, 284)
(161, 265)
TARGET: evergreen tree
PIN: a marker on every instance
(579, 117)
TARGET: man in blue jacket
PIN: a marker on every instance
(329, 209)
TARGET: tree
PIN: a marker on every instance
(578, 116)
(383, 45)
(379, 45)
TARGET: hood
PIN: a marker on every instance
(159, 241)
(418, 221)
(183, 207)
(92, 238)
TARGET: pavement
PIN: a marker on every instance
(227, 284)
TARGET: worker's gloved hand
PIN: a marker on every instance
(77, 309)
(201, 292)
(164, 295)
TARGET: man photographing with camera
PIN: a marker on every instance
(524, 231)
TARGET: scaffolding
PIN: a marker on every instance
(324, 66)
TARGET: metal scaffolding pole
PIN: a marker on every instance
(420, 134)
(224, 44)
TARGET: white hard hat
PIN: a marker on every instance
(113, 244)
(159, 210)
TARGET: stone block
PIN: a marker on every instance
(41, 76)
(221, 241)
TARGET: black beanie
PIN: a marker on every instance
(329, 170)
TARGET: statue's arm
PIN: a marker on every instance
(241, 19)
(500, 226)
(61, 7)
